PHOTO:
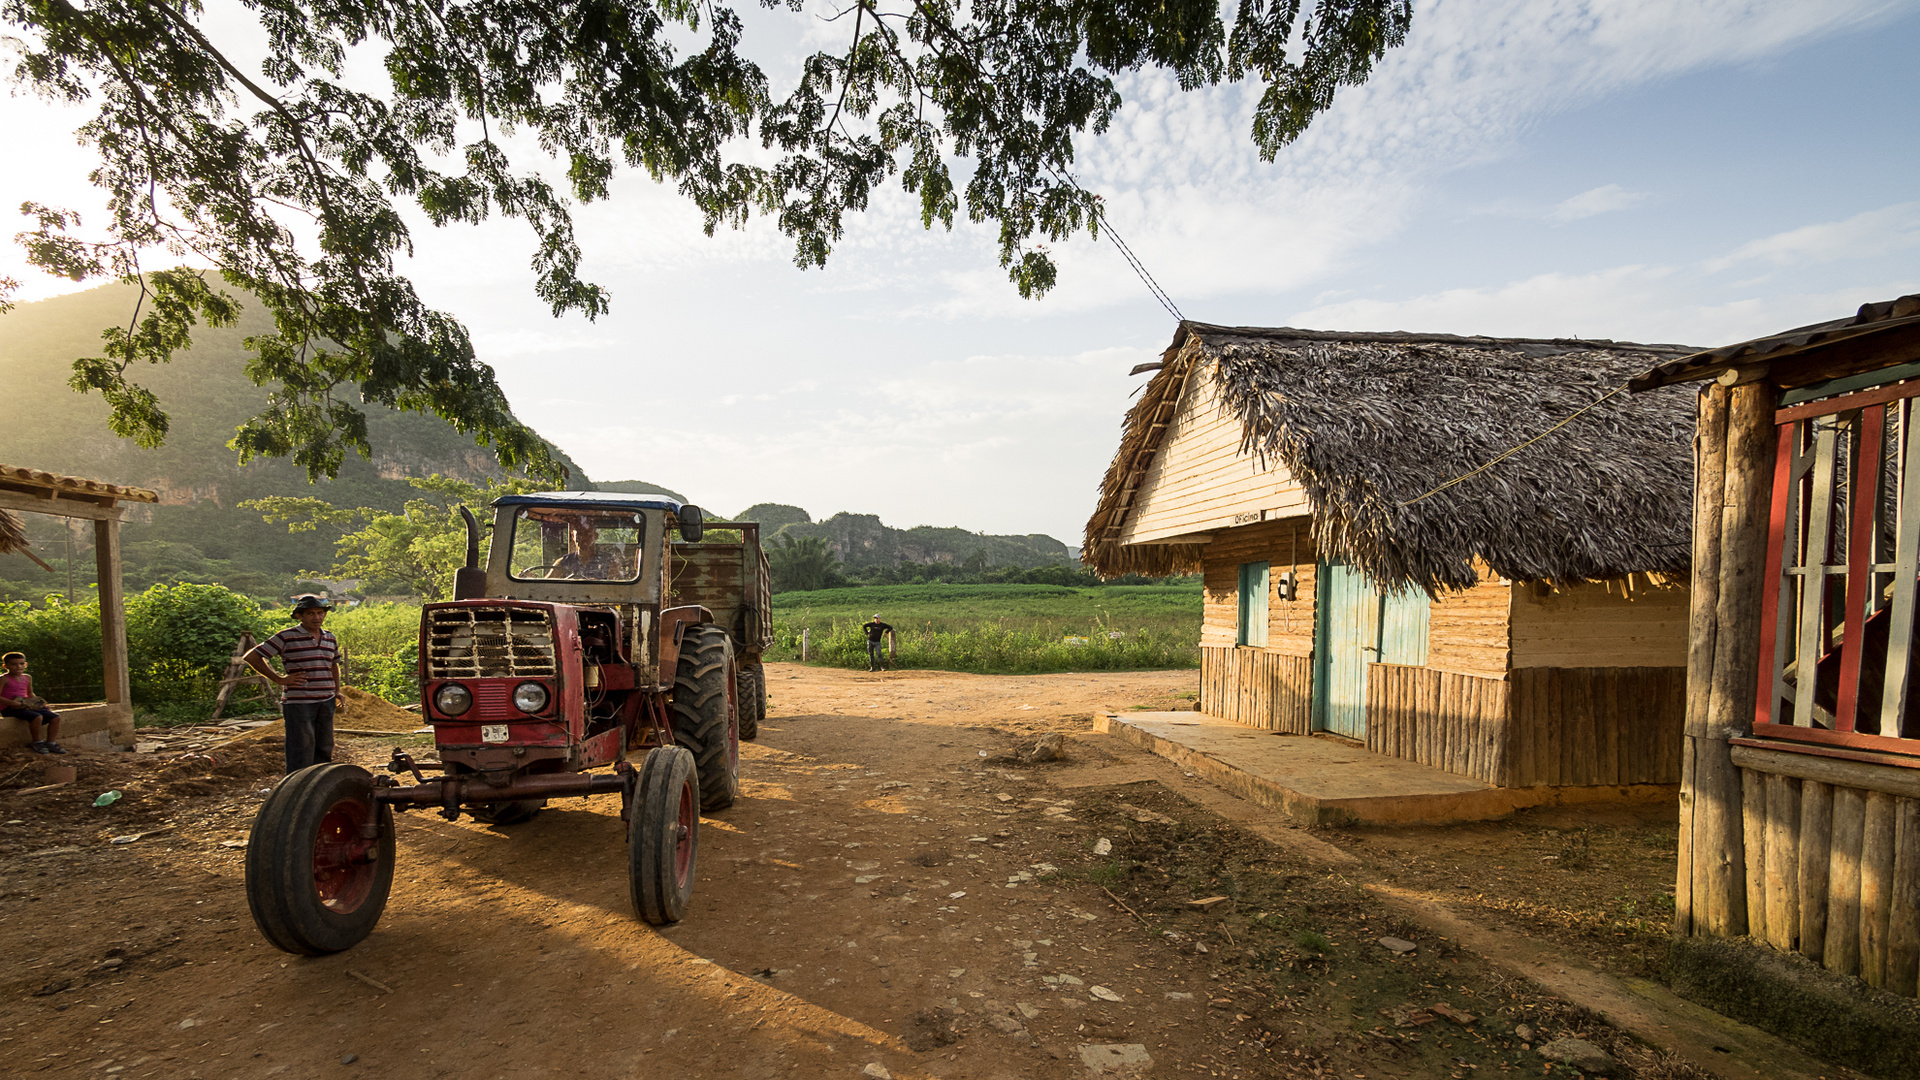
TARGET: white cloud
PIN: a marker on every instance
(1865, 235)
(1634, 303)
(1600, 200)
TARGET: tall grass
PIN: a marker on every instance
(999, 629)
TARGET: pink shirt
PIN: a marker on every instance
(16, 686)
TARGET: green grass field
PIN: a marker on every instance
(999, 629)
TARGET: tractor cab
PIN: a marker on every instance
(603, 552)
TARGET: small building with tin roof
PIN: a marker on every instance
(1800, 809)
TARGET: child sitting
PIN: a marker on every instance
(18, 701)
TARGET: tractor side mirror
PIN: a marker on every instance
(693, 523)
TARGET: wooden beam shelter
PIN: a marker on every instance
(109, 722)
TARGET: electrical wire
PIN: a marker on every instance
(1139, 268)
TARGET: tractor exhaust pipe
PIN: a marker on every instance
(470, 581)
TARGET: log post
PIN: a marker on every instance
(1783, 866)
(1718, 905)
(1843, 881)
(1876, 886)
(1709, 491)
(1903, 914)
(1753, 817)
(1816, 842)
(114, 669)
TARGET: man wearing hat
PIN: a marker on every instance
(876, 631)
(311, 687)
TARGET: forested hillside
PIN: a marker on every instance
(863, 541)
(198, 533)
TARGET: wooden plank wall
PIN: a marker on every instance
(1467, 632)
(1833, 872)
(1599, 625)
(1199, 479)
(1439, 718)
(1257, 687)
(1284, 545)
(1587, 726)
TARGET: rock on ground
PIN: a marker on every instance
(1578, 1053)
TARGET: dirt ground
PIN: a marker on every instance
(898, 893)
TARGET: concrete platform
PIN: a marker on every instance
(1324, 780)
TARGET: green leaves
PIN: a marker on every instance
(414, 551)
(803, 564)
(288, 179)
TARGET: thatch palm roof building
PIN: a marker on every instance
(1518, 625)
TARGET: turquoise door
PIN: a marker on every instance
(1356, 626)
(1252, 628)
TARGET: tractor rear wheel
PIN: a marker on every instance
(705, 719)
(751, 699)
(663, 835)
(507, 813)
(320, 860)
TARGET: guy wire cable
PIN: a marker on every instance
(1139, 268)
(1590, 406)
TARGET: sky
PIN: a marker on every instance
(1639, 170)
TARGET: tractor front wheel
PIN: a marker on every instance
(320, 860)
(663, 835)
(705, 719)
(751, 700)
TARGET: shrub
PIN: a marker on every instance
(62, 643)
(180, 639)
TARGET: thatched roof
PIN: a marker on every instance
(1368, 423)
(13, 537)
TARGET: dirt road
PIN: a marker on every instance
(897, 894)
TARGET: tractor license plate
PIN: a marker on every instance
(493, 733)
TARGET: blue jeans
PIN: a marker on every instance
(309, 733)
(876, 654)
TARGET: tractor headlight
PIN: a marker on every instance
(452, 699)
(529, 697)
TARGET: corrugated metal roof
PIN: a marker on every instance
(20, 476)
(1870, 319)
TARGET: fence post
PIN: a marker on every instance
(804, 632)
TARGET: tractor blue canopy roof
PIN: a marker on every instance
(590, 500)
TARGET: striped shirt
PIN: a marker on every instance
(301, 655)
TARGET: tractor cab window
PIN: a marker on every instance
(583, 545)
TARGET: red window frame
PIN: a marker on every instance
(1795, 464)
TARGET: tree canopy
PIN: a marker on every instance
(415, 551)
(288, 178)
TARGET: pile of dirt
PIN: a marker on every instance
(368, 712)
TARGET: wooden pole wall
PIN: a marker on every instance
(1836, 873)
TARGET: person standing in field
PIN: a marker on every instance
(311, 688)
(876, 632)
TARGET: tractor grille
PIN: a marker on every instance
(482, 643)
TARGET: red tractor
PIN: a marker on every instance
(562, 668)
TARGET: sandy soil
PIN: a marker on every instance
(897, 893)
